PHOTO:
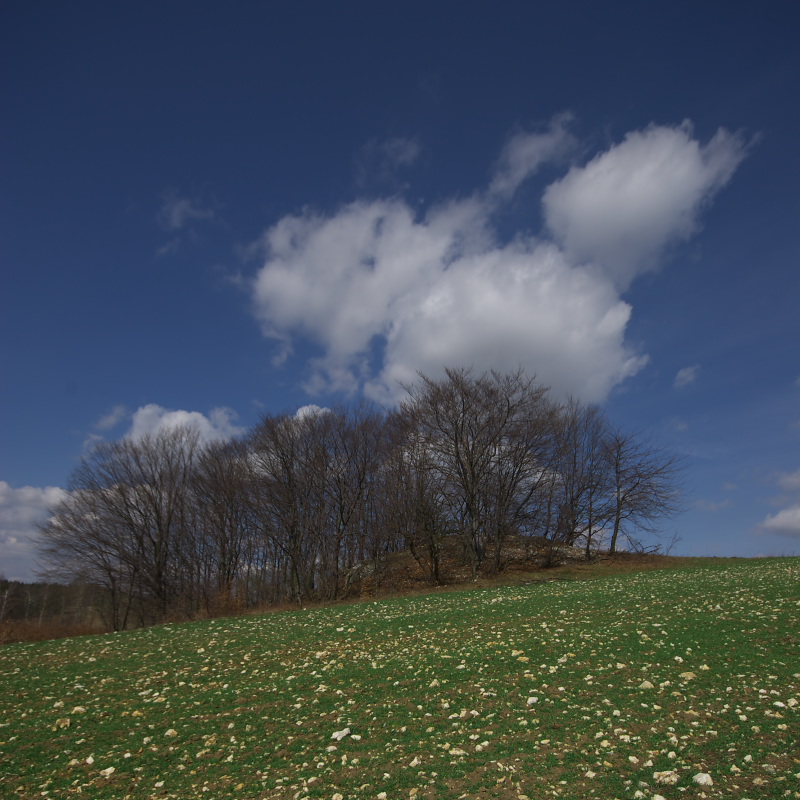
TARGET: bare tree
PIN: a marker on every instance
(583, 475)
(290, 464)
(413, 498)
(354, 452)
(646, 486)
(123, 522)
(224, 528)
(307, 506)
(475, 429)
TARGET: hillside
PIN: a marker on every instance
(680, 682)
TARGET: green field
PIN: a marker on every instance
(568, 689)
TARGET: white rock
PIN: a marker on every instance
(646, 685)
(339, 735)
(106, 773)
(668, 777)
(703, 779)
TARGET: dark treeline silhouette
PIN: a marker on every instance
(313, 506)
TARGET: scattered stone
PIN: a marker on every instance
(668, 777)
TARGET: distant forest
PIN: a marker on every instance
(312, 506)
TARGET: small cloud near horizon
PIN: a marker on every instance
(152, 419)
(785, 523)
(20, 512)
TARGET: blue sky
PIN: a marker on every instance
(214, 211)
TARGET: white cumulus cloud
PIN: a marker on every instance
(628, 204)
(20, 511)
(439, 287)
(310, 410)
(785, 523)
(152, 419)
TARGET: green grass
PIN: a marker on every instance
(437, 688)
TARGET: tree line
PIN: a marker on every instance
(307, 507)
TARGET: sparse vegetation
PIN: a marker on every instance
(678, 682)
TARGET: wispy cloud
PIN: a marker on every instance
(179, 215)
(381, 161)
(790, 481)
(442, 287)
(112, 419)
(685, 376)
(709, 505)
(526, 151)
(177, 211)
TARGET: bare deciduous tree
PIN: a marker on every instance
(308, 506)
(646, 486)
(123, 522)
(476, 429)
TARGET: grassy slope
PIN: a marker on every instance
(437, 688)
